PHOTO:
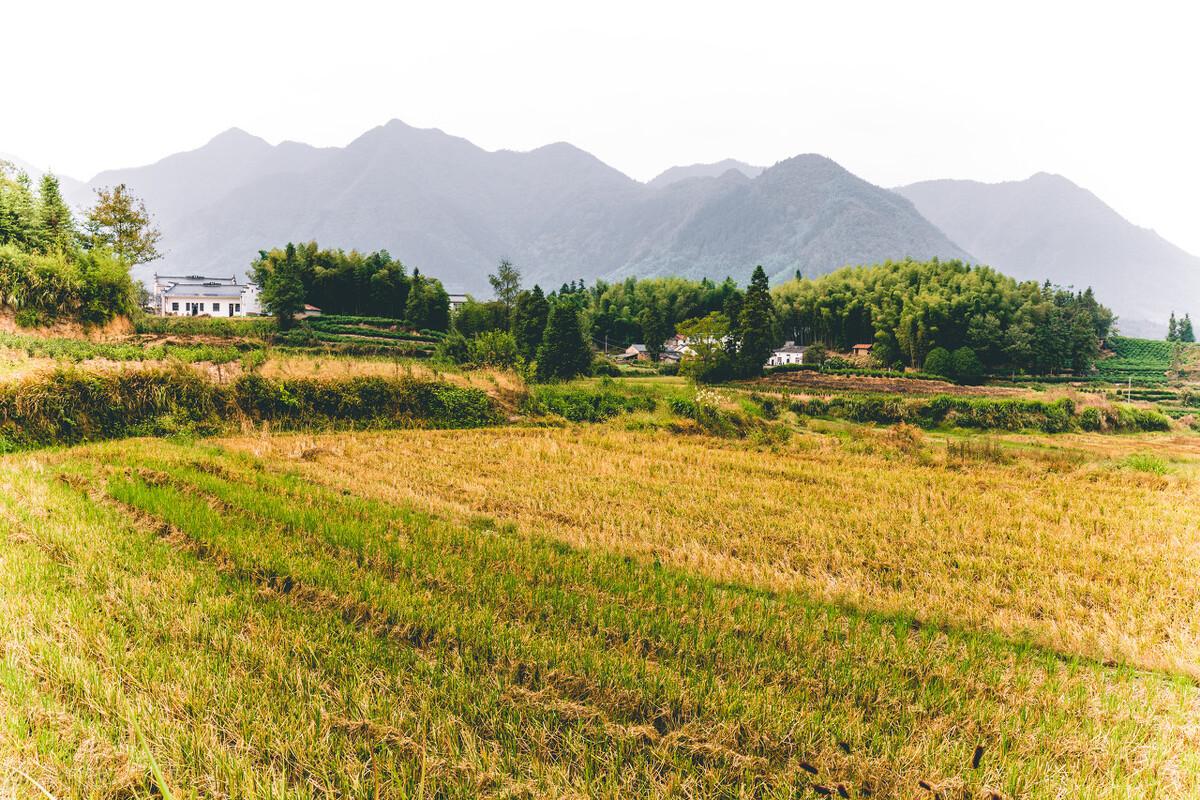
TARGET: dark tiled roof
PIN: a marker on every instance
(204, 290)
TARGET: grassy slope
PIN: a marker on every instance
(276, 638)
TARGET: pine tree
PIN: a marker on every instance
(18, 213)
(756, 326)
(1172, 329)
(563, 353)
(529, 317)
(57, 228)
(1186, 334)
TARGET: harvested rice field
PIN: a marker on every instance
(596, 611)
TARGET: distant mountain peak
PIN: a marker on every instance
(236, 137)
(714, 170)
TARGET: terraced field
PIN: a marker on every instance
(373, 335)
(595, 611)
(1144, 362)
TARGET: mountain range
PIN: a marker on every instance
(453, 209)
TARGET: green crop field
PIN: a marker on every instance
(1144, 362)
(362, 335)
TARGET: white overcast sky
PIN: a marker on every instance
(1105, 94)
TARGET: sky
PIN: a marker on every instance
(1103, 93)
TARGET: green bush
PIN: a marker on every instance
(603, 368)
(939, 362)
(585, 404)
(454, 349)
(496, 349)
(966, 366)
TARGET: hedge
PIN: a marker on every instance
(1009, 414)
(68, 407)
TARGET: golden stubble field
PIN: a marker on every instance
(1061, 544)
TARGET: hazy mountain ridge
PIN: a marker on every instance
(444, 205)
(1048, 227)
(452, 209)
(716, 169)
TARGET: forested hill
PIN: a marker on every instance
(452, 209)
(1046, 226)
(908, 309)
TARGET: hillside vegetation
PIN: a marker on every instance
(908, 309)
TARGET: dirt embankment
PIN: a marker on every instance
(115, 329)
(818, 381)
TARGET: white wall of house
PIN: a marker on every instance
(194, 295)
(788, 354)
(195, 305)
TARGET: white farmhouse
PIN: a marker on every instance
(196, 295)
(790, 353)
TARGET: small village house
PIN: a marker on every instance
(789, 353)
(635, 352)
(862, 351)
(196, 295)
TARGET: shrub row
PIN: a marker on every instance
(77, 350)
(308, 338)
(968, 412)
(71, 406)
(378, 322)
(584, 405)
(253, 327)
(367, 330)
(856, 371)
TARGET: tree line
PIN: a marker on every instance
(54, 266)
(909, 309)
(944, 317)
(337, 282)
(557, 332)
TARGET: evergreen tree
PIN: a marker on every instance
(438, 317)
(18, 212)
(756, 326)
(56, 227)
(1172, 329)
(1186, 334)
(416, 311)
(655, 328)
(282, 287)
(563, 353)
(529, 317)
